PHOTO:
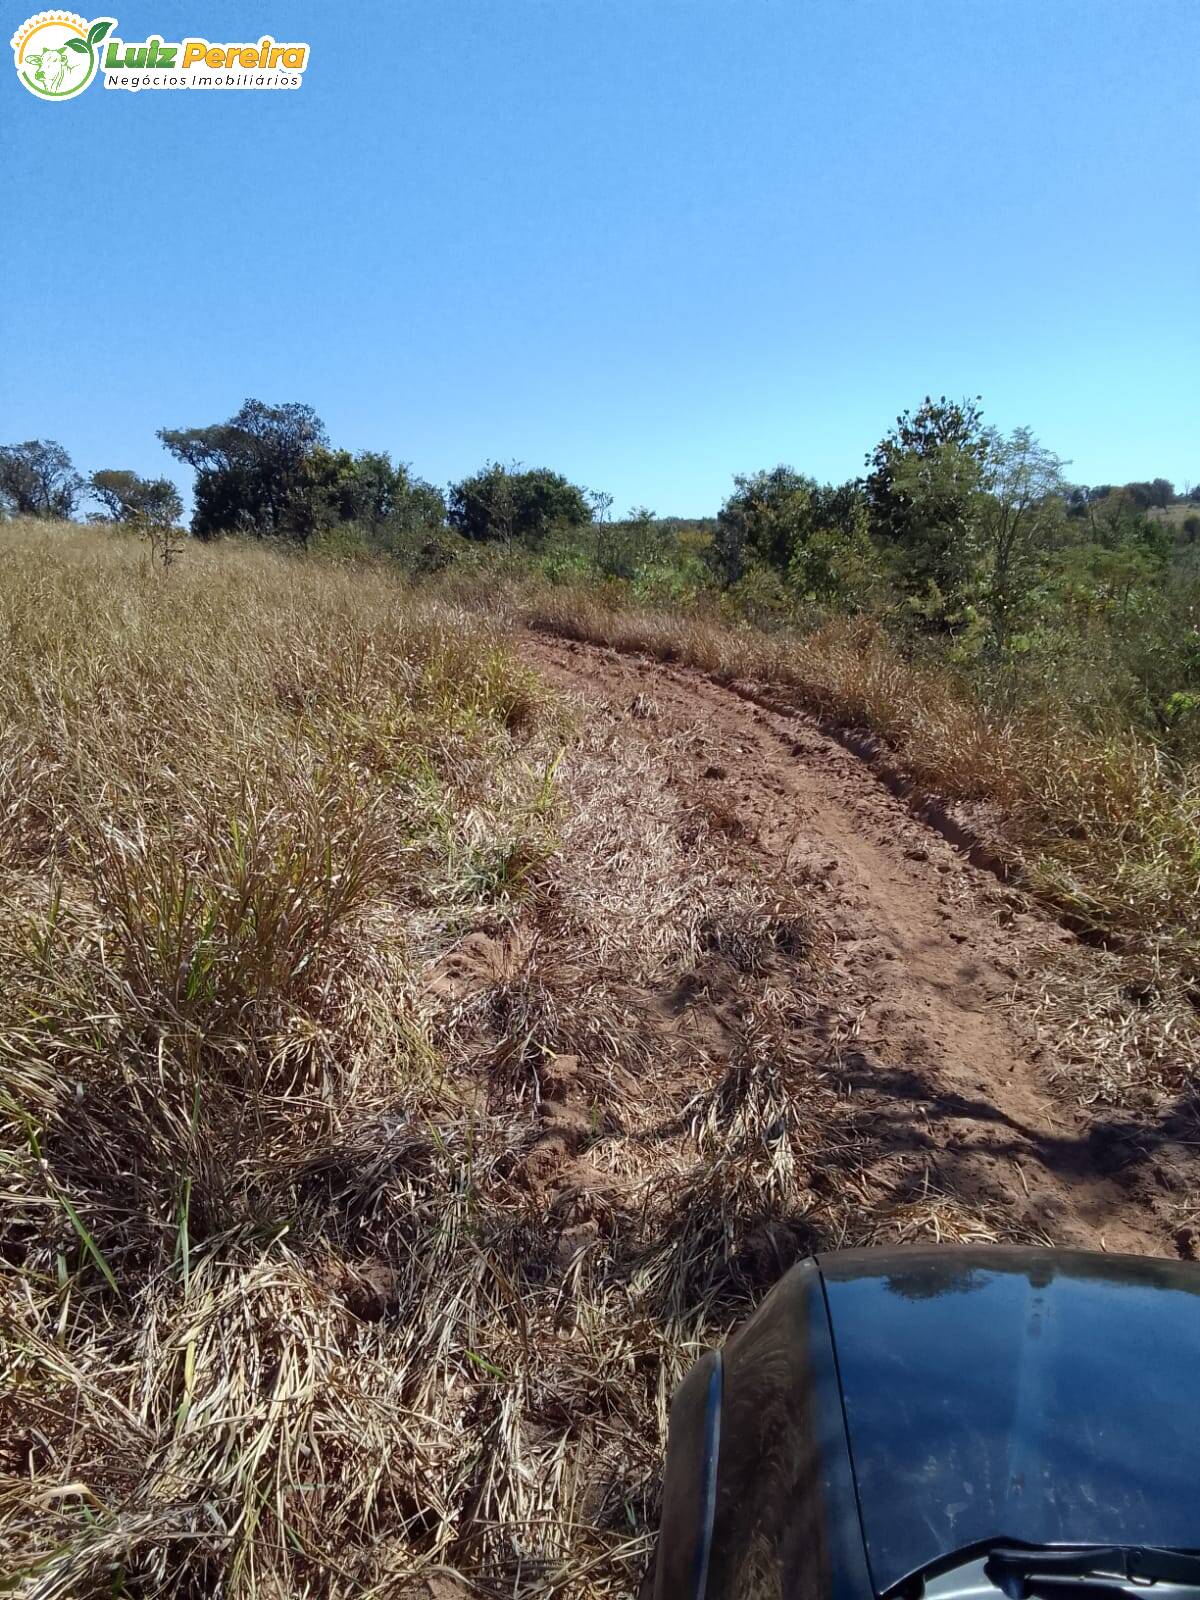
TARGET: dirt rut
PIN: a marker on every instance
(925, 1031)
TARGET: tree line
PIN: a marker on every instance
(270, 472)
(953, 516)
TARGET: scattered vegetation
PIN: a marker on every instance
(327, 944)
(1015, 639)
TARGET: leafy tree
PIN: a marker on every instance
(1116, 520)
(761, 521)
(248, 470)
(921, 495)
(600, 503)
(1101, 581)
(336, 487)
(815, 534)
(1020, 513)
(833, 559)
(1157, 492)
(128, 498)
(1081, 497)
(632, 548)
(511, 505)
(37, 479)
(1078, 497)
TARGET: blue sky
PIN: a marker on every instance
(650, 243)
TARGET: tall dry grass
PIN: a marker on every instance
(235, 800)
(361, 1202)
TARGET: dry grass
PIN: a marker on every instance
(374, 1152)
(229, 796)
(365, 1186)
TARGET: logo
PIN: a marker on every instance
(58, 54)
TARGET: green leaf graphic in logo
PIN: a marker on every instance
(55, 59)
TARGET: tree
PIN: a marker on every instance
(384, 500)
(128, 498)
(1081, 497)
(833, 559)
(1116, 519)
(248, 470)
(1155, 492)
(921, 496)
(601, 502)
(631, 548)
(761, 520)
(1020, 510)
(1099, 580)
(811, 532)
(508, 504)
(37, 479)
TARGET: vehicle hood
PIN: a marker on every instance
(1040, 1396)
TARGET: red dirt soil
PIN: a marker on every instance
(925, 1031)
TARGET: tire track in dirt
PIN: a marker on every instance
(925, 1030)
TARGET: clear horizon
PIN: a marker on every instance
(649, 247)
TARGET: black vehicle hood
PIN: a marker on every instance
(1034, 1395)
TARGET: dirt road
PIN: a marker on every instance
(925, 1030)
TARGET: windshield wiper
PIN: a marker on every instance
(1010, 1567)
(1018, 1570)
